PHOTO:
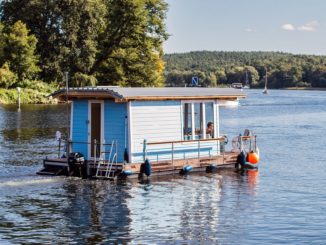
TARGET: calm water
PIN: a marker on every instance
(283, 203)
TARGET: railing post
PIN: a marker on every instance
(59, 146)
(95, 146)
(68, 152)
(223, 152)
(116, 151)
(198, 151)
(172, 155)
(217, 148)
(255, 143)
(144, 150)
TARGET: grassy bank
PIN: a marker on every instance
(37, 94)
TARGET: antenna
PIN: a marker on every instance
(67, 108)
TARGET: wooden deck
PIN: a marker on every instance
(203, 162)
(60, 166)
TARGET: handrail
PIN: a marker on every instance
(218, 140)
(186, 141)
(247, 137)
(87, 143)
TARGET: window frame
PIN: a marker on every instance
(203, 119)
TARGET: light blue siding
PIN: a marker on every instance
(181, 151)
(114, 126)
(80, 126)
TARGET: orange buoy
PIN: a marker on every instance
(253, 157)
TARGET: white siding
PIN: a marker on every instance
(158, 121)
(154, 121)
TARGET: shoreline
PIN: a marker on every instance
(27, 96)
(10, 96)
(305, 88)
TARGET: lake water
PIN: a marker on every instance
(281, 204)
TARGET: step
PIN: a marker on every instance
(103, 177)
(45, 173)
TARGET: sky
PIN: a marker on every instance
(293, 26)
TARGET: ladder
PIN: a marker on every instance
(104, 170)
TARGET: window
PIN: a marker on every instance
(187, 121)
(196, 119)
(198, 114)
(209, 116)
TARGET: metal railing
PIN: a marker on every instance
(248, 143)
(99, 149)
(220, 148)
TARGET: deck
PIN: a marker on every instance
(60, 166)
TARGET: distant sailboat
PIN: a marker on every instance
(265, 89)
(246, 85)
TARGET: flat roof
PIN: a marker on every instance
(123, 94)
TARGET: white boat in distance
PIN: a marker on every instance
(229, 103)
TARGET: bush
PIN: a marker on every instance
(82, 80)
(37, 85)
(7, 77)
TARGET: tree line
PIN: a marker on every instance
(217, 68)
(120, 42)
(99, 42)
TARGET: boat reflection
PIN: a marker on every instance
(153, 209)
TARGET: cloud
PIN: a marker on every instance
(310, 26)
(288, 27)
(249, 30)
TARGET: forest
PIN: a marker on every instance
(120, 43)
(218, 68)
(98, 42)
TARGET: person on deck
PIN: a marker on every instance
(210, 130)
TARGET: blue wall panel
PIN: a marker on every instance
(114, 126)
(80, 126)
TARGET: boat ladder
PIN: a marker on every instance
(104, 168)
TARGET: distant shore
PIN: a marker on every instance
(304, 88)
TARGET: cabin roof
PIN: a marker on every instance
(123, 94)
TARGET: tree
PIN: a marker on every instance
(2, 43)
(19, 51)
(7, 77)
(252, 75)
(131, 45)
(113, 41)
(220, 75)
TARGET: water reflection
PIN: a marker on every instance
(27, 136)
(283, 202)
(253, 178)
(97, 212)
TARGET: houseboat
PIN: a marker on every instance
(119, 132)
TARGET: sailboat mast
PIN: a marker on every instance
(265, 89)
(265, 78)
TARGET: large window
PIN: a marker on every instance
(198, 120)
(209, 117)
(198, 115)
(187, 121)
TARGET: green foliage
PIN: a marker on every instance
(19, 51)
(82, 80)
(37, 95)
(7, 77)
(283, 70)
(115, 41)
(2, 43)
